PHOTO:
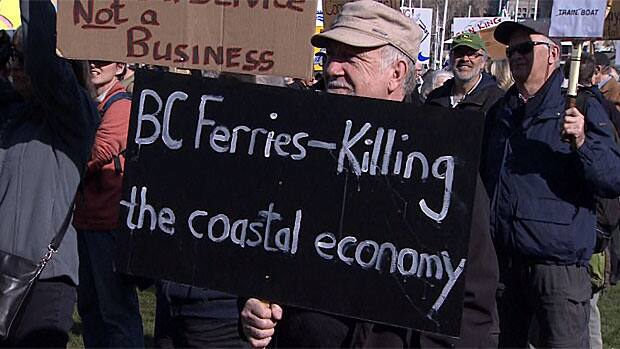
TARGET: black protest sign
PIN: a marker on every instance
(346, 205)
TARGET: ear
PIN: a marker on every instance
(120, 68)
(555, 55)
(397, 78)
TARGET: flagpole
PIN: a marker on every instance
(443, 31)
(517, 11)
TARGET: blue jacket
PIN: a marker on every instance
(542, 192)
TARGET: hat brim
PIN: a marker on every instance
(346, 36)
(466, 45)
(505, 29)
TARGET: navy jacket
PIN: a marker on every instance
(542, 191)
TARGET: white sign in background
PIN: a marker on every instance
(578, 18)
(424, 18)
(474, 24)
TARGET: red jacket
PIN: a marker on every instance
(97, 202)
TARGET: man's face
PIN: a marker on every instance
(21, 80)
(467, 63)
(599, 74)
(418, 71)
(530, 56)
(103, 72)
(356, 71)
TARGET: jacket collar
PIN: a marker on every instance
(474, 97)
(546, 104)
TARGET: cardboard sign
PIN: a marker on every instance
(495, 49)
(578, 19)
(9, 15)
(319, 53)
(472, 25)
(424, 18)
(331, 9)
(267, 37)
(347, 205)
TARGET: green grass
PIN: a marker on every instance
(147, 308)
(609, 304)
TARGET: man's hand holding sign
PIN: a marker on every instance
(578, 20)
(328, 203)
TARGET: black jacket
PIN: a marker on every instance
(480, 99)
(310, 329)
(306, 329)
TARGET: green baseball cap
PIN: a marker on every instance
(470, 40)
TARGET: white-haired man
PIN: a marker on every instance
(371, 52)
(471, 88)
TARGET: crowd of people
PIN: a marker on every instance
(544, 239)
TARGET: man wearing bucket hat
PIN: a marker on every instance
(471, 88)
(372, 50)
(543, 165)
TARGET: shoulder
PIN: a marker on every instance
(117, 101)
(491, 93)
(442, 91)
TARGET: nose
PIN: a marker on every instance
(334, 68)
(465, 58)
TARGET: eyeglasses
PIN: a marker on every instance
(472, 54)
(524, 48)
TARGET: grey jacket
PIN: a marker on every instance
(44, 146)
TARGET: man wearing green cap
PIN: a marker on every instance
(471, 88)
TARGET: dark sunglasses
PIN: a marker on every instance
(471, 53)
(100, 64)
(524, 48)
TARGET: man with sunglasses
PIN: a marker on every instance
(471, 88)
(542, 165)
(371, 51)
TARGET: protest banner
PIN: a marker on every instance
(331, 9)
(423, 18)
(578, 19)
(318, 57)
(495, 49)
(348, 205)
(268, 37)
(9, 15)
(485, 27)
(473, 25)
